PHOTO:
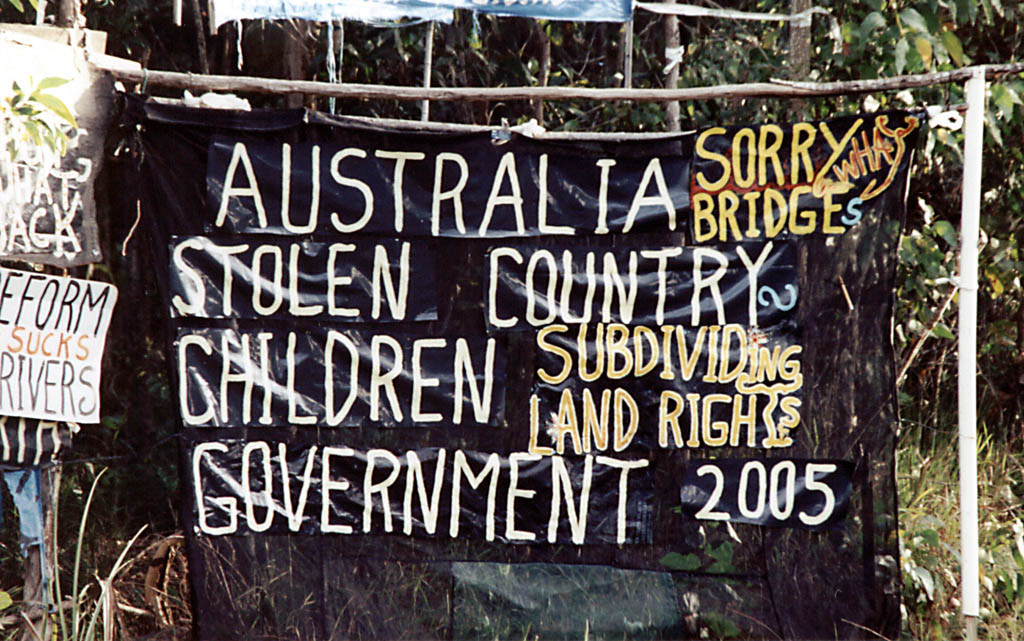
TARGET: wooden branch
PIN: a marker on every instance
(545, 68)
(916, 349)
(773, 89)
(67, 13)
(448, 127)
(428, 66)
(197, 21)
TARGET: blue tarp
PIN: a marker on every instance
(581, 10)
(389, 11)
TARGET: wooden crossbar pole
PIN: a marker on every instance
(772, 89)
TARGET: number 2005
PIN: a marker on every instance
(767, 491)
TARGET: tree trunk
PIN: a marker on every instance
(67, 13)
(799, 52)
(39, 562)
(295, 58)
(197, 13)
(545, 68)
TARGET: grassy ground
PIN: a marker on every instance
(927, 478)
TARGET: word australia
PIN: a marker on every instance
(465, 188)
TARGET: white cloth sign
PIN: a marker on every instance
(370, 11)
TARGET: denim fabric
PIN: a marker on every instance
(24, 487)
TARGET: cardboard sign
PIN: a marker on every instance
(47, 201)
(52, 334)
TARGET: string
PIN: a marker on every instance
(238, 43)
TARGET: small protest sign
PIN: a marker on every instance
(52, 333)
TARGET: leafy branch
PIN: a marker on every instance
(20, 7)
(37, 117)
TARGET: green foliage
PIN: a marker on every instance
(720, 626)
(711, 559)
(929, 541)
(36, 117)
(86, 607)
(681, 562)
(17, 4)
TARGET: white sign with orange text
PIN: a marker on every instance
(52, 334)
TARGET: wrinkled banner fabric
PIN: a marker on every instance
(444, 386)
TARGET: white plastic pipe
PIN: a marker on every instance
(428, 66)
(967, 361)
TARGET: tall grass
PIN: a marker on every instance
(927, 478)
(76, 617)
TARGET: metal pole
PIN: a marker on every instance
(967, 360)
(428, 67)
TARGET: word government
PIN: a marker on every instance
(461, 482)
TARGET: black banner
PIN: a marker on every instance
(776, 492)
(445, 363)
(752, 283)
(438, 186)
(341, 282)
(31, 442)
(436, 492)
(332, 377)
